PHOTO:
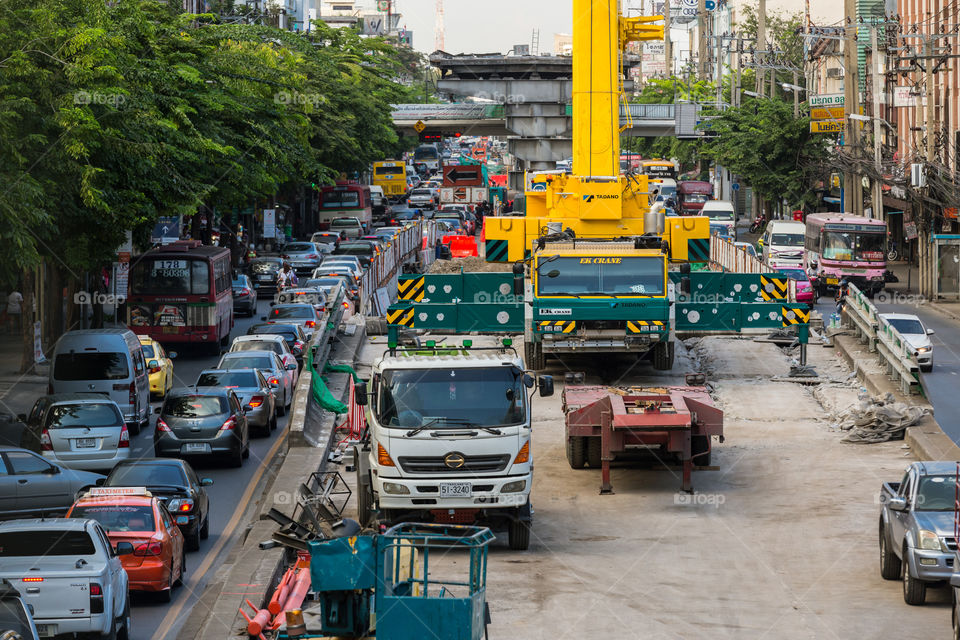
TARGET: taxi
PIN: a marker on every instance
(159, 364)
(134, 515)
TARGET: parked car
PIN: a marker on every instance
(253, 390)
(289, 331)
(137, 517)
(805, 291)
(244, 295)
(349, 262)
(304, 257)
(77, 584)
(347, 227)
(916, 528)
(306, 315)
(159, 366)
(77, 430)
(15, 614)
(202, 421)
(914, 332)
(263, 272)
(108, 361)
(30, 484)
(279, 377)
(364, 250)
(268, 342)
(177, 485)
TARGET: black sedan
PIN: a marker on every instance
(244, 295)
(364, 250)
(176, 484)
(202, 421)
(263, 272)
(291, 333)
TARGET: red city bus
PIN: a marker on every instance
(181, 293)
(345, 200)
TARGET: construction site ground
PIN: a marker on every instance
(778, 541)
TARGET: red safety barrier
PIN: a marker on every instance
(462, 246)
(300, 586)
(356, 420)
(280, 594)
(260, 621)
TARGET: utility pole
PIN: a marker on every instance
(667, 43)
(796, 97)
(852, 191)
(735, 91)
(702, 33)
(928, 133)
(877, 197)
(761, 40)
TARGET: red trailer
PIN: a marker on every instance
(607, 423)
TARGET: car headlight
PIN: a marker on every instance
(929, 540)
(923, 349)
(514, 487)
(395, 489)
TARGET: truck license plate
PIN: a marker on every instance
(86, 443)
(46, 630)
(195, 447)
(456, 490)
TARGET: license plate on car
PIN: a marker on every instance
(46, 630)
(456, 490)
(195, 447)
(86, 443)
(833, 281)
(263, 277)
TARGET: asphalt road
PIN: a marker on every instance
(229, 496)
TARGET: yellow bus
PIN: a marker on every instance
(391, 176)
(658, 169)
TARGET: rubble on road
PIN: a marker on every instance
(875, 420)
(470, 264)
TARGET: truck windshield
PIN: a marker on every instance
(839, 245)
(451, 398)
(936, 493)
(602, 276)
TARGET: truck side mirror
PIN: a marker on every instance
(518, 279)
(360, 393)
(897, 503)
(546, 386)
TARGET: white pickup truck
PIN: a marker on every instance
(69, 573)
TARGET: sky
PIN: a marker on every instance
(495, 26)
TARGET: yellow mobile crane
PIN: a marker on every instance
(595, 200)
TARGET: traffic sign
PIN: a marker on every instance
(826, 126)
(827, 113)
(468, 175)
(735, 186)
(166, 230)
(827, 100)
(460, 194)
(420, 126)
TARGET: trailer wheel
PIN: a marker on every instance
(889, 562)
(519, 535)
(594, 451)
(533, 352)
(663, 353)
(576, 454)
(700, 445)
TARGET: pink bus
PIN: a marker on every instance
(841, 246)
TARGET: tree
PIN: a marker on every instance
(784, 33)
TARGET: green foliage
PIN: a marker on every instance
(784, 32)
(114, 114)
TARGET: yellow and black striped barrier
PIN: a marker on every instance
(410, 289)
(401, 317)
(794, 316)
(557, 326)
(774, 288)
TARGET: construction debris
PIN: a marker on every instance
(877, 419)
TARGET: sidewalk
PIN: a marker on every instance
(908, 286)
(18, 391)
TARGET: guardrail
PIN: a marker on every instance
(388, 265)
(729, 257)
(892, 349)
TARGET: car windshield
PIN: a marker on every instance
(146, 475)
(320, 282)
(232, 379)
(445, 398)
(104, 365)
(603, 276)
(838, 245)
(195, 406)
(355, 249)
(906, 325)
(237, 283)
(936, 493)
(246, 362)
(148, 350)
(294, 311)
(53, 542)
(83, 415)
(257, 345)
(116, 517)
(796, 274)
(346, 223)
(422, 192)
(786, 240)
(719, 214)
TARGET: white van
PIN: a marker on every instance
(108, 361)
(783, 244)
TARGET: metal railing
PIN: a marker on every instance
(892, 349)
(386, 268)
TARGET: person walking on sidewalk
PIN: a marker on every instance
(14, 311)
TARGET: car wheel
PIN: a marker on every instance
(889, 562)
(205, 528)
(123, 627)
(246, 450)
(192, 540)
(166, 595)
(518, 535)
(134, 428)
(273, 421)
(914, 590)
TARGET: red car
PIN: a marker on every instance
(805, 293)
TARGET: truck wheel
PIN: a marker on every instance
(533, 352)
(594, 451)
(519, 535)
(953, 617)
(576, 454)
(663, 353)
(889, 562)
(914, 591)
(364, 492)
(700, 445)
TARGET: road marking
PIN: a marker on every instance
(227, 534)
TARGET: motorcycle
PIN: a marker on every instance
(758, 224)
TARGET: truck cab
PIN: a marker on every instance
(600, 296)
(448, 438)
